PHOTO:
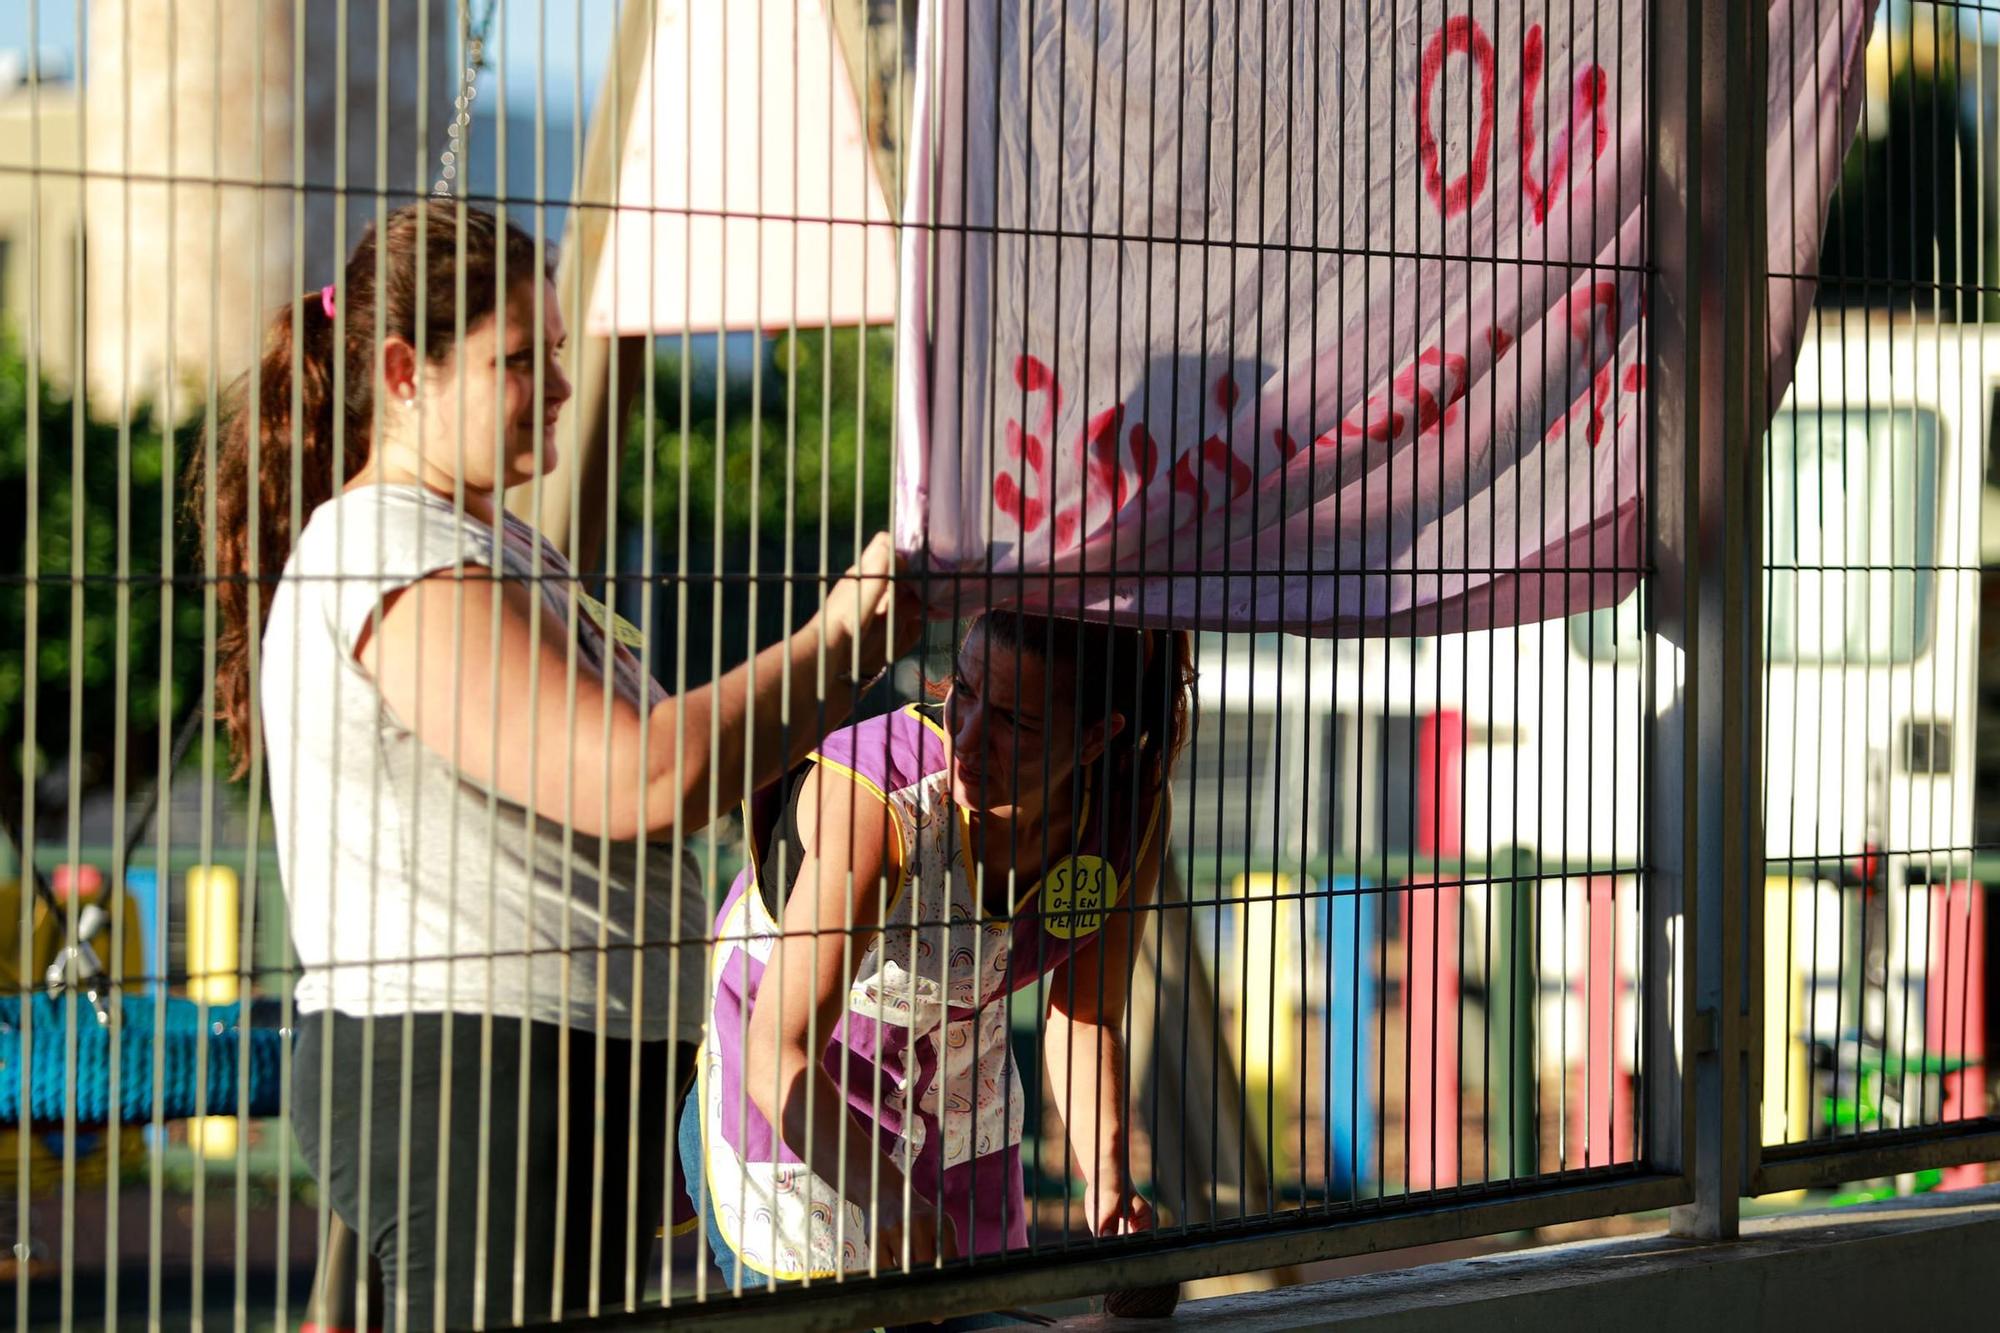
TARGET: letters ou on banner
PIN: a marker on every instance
(1355, 308)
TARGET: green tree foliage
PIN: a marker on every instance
(75, 591)
(805, 429)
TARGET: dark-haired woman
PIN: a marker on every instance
(858, 1103)
(472, 780)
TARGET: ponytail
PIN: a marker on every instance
(280, 456)
(269, 474)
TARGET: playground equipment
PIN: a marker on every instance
(107, 1047)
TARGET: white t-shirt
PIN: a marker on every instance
(412, 888)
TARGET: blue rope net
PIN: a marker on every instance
(50, 1089)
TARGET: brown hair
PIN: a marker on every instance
(261, 440)
(1145, 676)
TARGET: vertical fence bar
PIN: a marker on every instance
(72, 829)
(252, 823)
(483, 1276)
(1708, 176)
(1674, 546)
(121, 685)
(30, 655)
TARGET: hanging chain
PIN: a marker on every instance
(468, 91)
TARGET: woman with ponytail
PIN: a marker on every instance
(858, 1102)
(475, 787)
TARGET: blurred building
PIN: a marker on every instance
(222, 171)
(41, 229)
(158, 200)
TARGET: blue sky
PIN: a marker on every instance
(544, 27)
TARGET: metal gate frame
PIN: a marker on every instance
(1705, 795)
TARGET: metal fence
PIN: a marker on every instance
(1661, 906)
(1872, 915)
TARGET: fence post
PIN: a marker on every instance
(1705, 794)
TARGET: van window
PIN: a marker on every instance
(1850, 542)
(1614, 634)
(1850, 534)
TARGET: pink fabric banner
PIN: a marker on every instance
(1346, 300)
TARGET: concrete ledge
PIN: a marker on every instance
(1930, 1263)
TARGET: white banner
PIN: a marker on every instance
(1346, 299)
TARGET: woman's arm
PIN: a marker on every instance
(479, 669)
(832, 917)
(1083, 1050)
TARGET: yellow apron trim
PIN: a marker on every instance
(917, 711)
(709, 1192)
(722, 933)
(868, 784)
(862, 781)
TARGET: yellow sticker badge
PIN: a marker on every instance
(1076, 894)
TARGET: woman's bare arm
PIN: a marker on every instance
(831, 919)
(479, 669)
(1083, 1049)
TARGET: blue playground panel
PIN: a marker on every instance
(1349, 922)
(142, 886)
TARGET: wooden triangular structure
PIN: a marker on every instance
(747, 195)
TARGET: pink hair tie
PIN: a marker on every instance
(326, 300)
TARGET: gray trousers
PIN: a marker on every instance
(418, 1214)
